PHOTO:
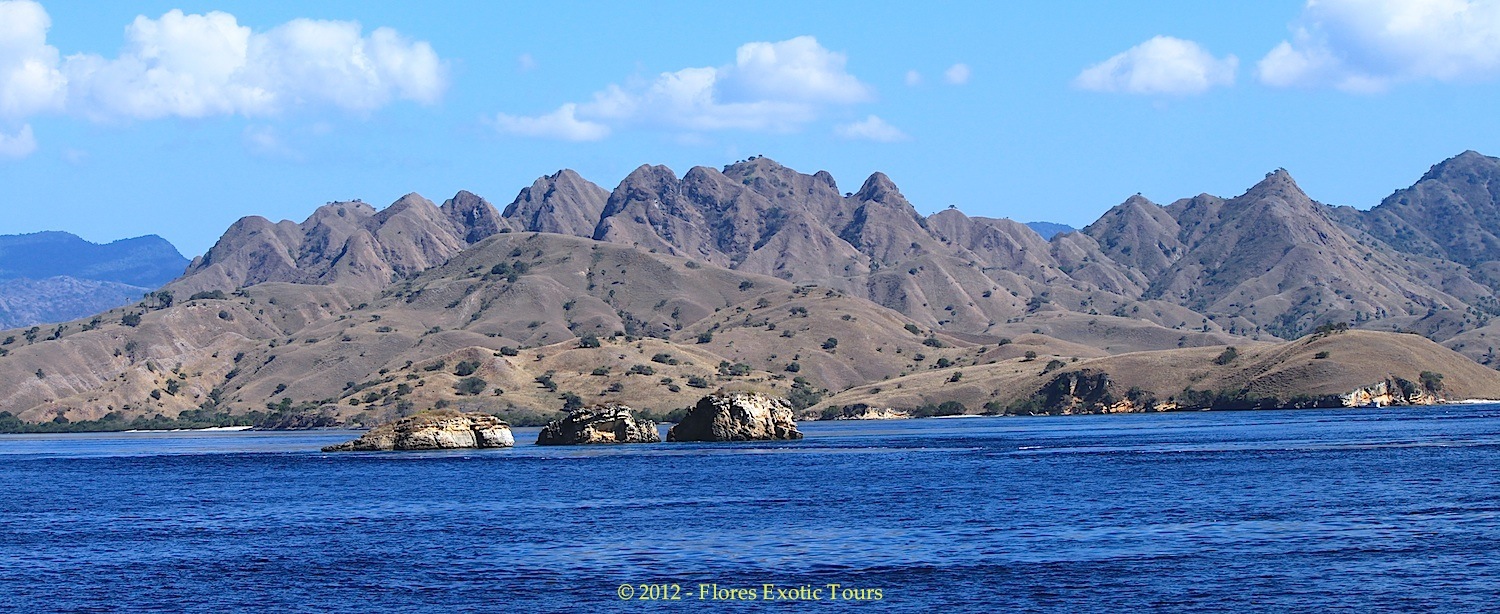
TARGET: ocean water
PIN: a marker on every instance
(1352, 510)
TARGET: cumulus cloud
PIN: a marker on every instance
(189, 65)
(19, 145)
(1370, 45)
(796, 70)
(1162, 65)
(871, 128)
(30, 81)
(562, 124)
(913, 78)
(200, 65)
(775, 87)
(957, 74)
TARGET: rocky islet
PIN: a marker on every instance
(443, 429)
(600, 424)
(719, 417)
(739, 416)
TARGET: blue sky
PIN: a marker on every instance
(176, 118)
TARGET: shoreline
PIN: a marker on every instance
(237, 429)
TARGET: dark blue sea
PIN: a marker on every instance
(1346, 510)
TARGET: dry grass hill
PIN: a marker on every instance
(1322, 370)
(758, 276)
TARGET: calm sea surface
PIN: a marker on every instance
(1353, 510)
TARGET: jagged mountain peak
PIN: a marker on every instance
(1278, 183)
(646, 182)
(464, 199)
(566, 174)
(879, 188)
(1135, 210)
(703, 173)
(1467, 163)
(568, 178)
(563, 203)
(342, 208)
(650, 172)
(1144, 276)
(757, 215)
(473, 216)
(1140, 234)
(1452, 213)
(347, 243)
(412, 202)
(411, 198)
(826, 178)
(755, 163)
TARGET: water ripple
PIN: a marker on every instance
(1351, 510)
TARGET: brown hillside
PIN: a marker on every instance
(1314, 366)
(757, 275)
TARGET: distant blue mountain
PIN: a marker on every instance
(147, 262)
(50, 277)
(1049, 229)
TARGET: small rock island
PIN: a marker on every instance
(611, 423)
(737, 416)
(731, 416)
(442, 429)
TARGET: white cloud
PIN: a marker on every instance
(776, 87)
(562, 124)
(526, 63)
(797, 70)
(30, 81)
(201, 65)
(957, 74)
(18, 146)
(1162, 65)
(189, 65)
(182, 65)
(913, 78)
(1370, 45)
(871, 128)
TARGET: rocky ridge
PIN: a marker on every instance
(752, 274)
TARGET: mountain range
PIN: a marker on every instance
(755, 274)
(56, 276)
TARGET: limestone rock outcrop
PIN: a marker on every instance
(442, 429)
(612, 423)
(737, 416)
(1086, 391)
(865, 411)
(1390, 392)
